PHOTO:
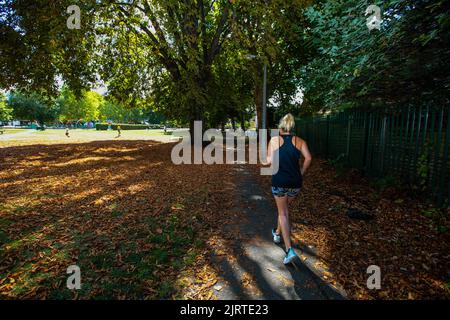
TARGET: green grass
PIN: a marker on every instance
(120, 253)
(57, 136)
(12, 131)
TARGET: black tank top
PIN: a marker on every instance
(288, 175)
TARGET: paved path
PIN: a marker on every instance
(259, 259)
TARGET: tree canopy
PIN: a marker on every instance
(171, 53)
(402, 63)
(32, 107)
(189, 60)
(5, 109)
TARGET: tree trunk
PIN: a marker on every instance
(197, 112)
(196, 115)
(243, 122)
(258, 104)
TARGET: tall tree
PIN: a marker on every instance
(84, 107)
(32, 107)
(37, 48)
(5, 109)
(170, 45)
(168, 52)
(404, 62)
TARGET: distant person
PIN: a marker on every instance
(165, 129)
(287, 182)
(119, 131)
(67, 133)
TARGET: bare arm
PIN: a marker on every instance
(270, 150)
(307, 155)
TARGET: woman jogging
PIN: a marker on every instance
(286, 183)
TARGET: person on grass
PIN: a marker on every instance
(288, 180)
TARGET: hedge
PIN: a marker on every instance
(104, 126)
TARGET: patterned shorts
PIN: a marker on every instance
(281, 192)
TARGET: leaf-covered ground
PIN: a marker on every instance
(140, 227)
(134, 223)
(408, 240)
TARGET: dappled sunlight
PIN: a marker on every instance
(141, 227)
(51, 137)
(410, 251)
(109, 207)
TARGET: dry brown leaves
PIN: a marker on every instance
(412, 255)
(133, 221)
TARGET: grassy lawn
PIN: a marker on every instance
(140, 227)
(12, 131)
(110, 208)
(57, 136)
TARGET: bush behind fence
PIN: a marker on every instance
(412, 144)
(123, 126)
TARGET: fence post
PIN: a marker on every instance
(382, 143)
(366, 140)
(349, 132)
(445, 173)
(327, 145)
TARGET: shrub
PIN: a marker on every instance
(104, 126)
(156, 126)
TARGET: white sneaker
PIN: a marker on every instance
(276, 237)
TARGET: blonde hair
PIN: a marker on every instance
(287, 123)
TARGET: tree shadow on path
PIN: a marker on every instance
(256, 270)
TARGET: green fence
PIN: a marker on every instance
(412, 144)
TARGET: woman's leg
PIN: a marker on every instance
(283, 219)
(278, 231)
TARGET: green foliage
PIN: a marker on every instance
(105, 126)
(112, 110)
(185, 60)
(155, 118)
(37, 48)
(386, 182)
(86, 107)
(439, 217)
(340, 164)
(5, 110)
(32, 107)
(402, 63)
(422, 167)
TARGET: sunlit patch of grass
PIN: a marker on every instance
(62, 255)
(190, 257)
(128, 226)
(31, 238)
(116, 211)
(79, 161)
(13, 131)
(20, 208)
(31, 275)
